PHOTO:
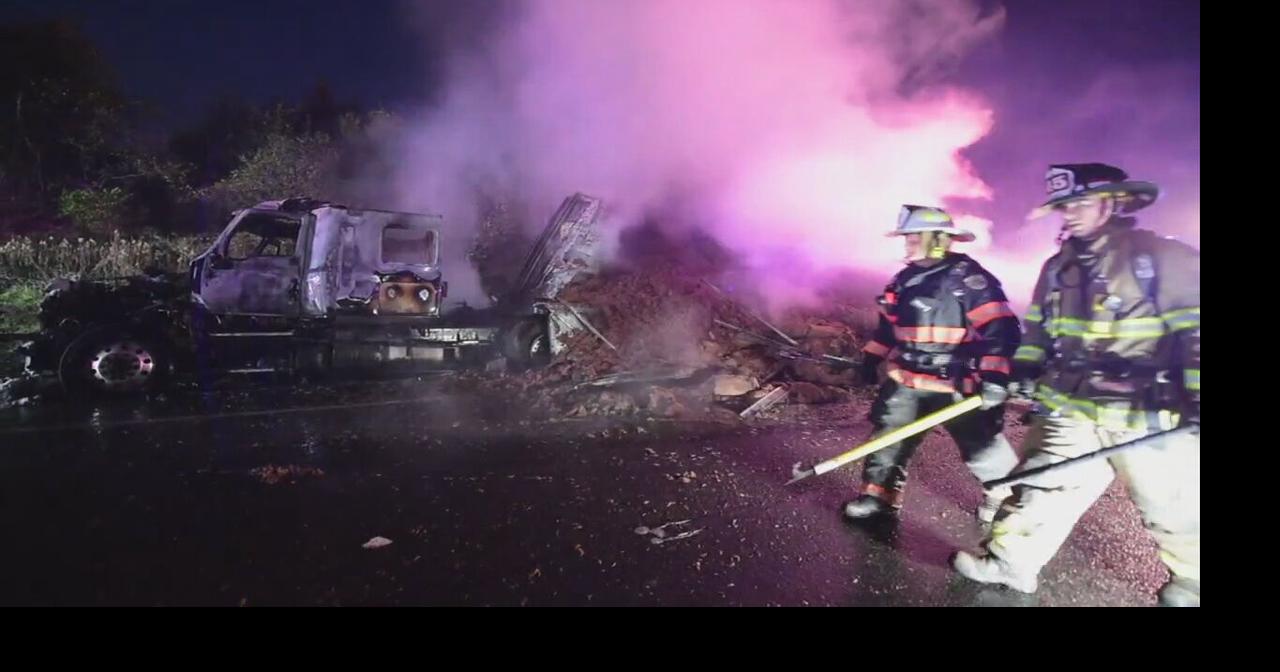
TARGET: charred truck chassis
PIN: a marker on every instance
(289, 286)
(348, 344)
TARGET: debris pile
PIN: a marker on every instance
(660, 340)
(273, 474)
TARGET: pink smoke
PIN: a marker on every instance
(781, 120)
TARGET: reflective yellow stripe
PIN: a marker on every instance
(1034, 314)
(1030, 353)
(1137, 327)
(1117, 418)
(1191, 379)
(1180, 320)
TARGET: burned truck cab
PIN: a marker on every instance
(300, 258)
(253, 267)
(308, 285)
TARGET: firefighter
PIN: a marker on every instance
(1111, 346)
(945, 330)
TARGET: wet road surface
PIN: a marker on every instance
(268, 497)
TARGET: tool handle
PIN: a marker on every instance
(906, 431)
(1023, 476)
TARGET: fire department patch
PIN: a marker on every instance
(976, 282)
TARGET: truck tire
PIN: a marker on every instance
(111, 361)
(527, 344)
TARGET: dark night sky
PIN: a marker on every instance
(1076, 80)
(180, 54)
(370, 51)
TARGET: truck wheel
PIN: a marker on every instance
(113, 361)
(528, 344)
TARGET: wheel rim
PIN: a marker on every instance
(538, 347)
(121, 365)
